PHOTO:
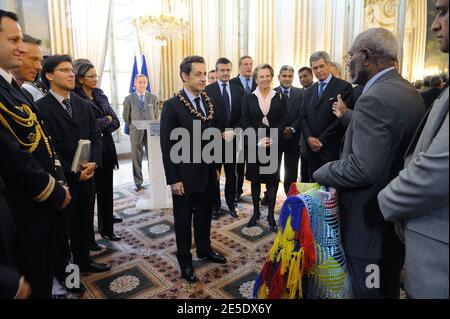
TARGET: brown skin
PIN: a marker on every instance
(12, 47)
(31, 64)
(440, 25)
(89, 84)
(212, 77)
(306, 79)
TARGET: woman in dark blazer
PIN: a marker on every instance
(266, 109)
(86, 88)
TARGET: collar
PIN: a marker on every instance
(282, 89)
(375, 78)
(139, 95)
(6, 75)
(258, 93)
(222, 83)
(327, 80)
(243, 79)
(58, 97)
(191, 96)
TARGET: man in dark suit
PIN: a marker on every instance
(227, 99)
(192, 180)
(71, 119)
(382, 125)
(306, 77)
(246, 82)
(322, 130)
(291, 134)
(432, 94)
(28, 167)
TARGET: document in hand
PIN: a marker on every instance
(82, 155)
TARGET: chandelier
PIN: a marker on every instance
(164, 23)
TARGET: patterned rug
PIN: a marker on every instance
(144, 263)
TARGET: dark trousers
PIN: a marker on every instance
(230, 187)
(314, 163)
(75, 224)
(36, 262)
(271, 194)
(291, 159)
(390, 270)
(105, 201)
(305, 176)
(198, 206)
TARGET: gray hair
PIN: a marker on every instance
(381, 42)
(286, 68)
(31, 40)
(337, 66)
(316, 56)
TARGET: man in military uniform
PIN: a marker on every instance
(28, 167)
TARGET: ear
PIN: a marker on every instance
(184, 76)
(49, 76)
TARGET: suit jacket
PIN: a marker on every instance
(317, 118)
(215, 93)
(293, 105)
(237, 81)
(381, 128)
(252, 118)
(67, 131)
(7, 230)
(9, 282)
(28, 173)
(132, 111)
(419, 197)
(196, 176)
(430, 96)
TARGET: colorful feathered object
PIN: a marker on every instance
(291, 257)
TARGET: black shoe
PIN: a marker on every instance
(117, 219)
(272, 224)
(187, 272)
(265, 201)
(138, 188)
(254, 219)
(234, 212)
(112, 237)
(96, 247)
(78, 290)
(213, 257)
(215, 214)
(95, 267)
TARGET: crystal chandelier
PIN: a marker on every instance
(164, 23)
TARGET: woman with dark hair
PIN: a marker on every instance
(264, 109)
(86, 87)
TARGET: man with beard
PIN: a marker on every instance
(418, 197)
(382, 125)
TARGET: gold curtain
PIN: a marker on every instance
(384, 14)
(302, 32)
(265, 31)
(60, 27)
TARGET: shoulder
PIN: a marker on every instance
(210, 87)
(343, 83)
(45, 102)
(236, 88)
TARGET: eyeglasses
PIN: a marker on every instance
(66, 70)
(93, 77)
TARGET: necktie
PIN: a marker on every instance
(321, 89)
(199, 108)
(247, 86)
(286, 94)
(226, 100)
(142, 100)
(68, 107)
